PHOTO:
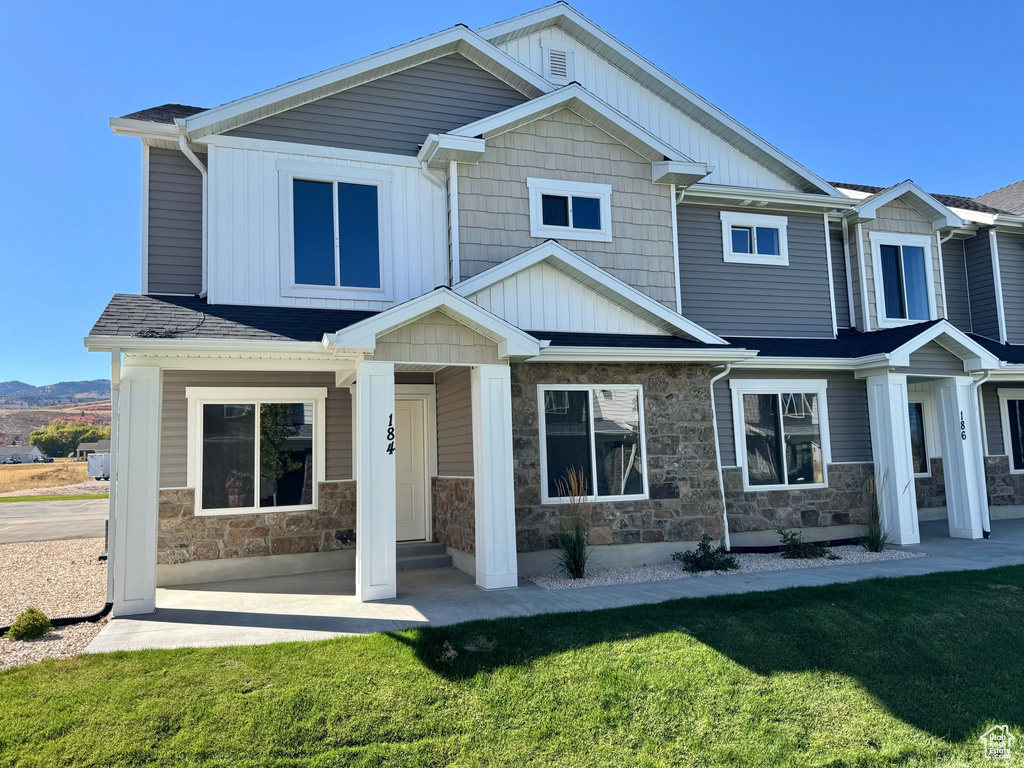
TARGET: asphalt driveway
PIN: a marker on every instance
(49, 520)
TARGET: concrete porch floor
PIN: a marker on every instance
(321, 605)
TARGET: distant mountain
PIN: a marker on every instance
(18, 394)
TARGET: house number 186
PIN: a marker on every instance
(963, 427)
(391, 434)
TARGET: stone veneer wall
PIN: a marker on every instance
(685, 500)
(1005, 489)
(183, 537)
(454, 513)
(847, 500)
(931, 491)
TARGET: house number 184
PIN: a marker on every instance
(391, 434)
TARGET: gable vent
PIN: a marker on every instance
(558, 64)
(557, 61)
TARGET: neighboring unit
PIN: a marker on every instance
(399, 300)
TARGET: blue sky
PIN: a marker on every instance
(870, 92)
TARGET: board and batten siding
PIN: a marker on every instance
(245, 245)
(175, 247)
(393, 114)
(543, 298)
(1011, 277)
(753, 299)
(174, 417)
(454, 422)
(847, 414)
(954, 265)
(839, 283)
(981, 285)
(494, 205)
(676, 128)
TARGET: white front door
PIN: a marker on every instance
(410, 469)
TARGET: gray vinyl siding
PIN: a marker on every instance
(393, 114)
(839, 277)
(981, 285)
(1011, 276)
(751, 299)
(174, 421)
(175, 262)
(934, 358)
(954, 268)
(847, 414)
(993, 417)
(454, 423)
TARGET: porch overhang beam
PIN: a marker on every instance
(639, 355)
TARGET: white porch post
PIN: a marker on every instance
(376, 568)
(136, 491)
(966, 494)
(894, 465)
(493, 496)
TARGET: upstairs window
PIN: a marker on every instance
(903, 273)
(754, 238)
(333, 234)
(570, 210)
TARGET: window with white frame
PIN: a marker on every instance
(597, 434)
(754, 238)
(1011, 407)
(904, 286)
(334, 238)
(253, 449)
(570, 210)
(781, 428)
(918, 443)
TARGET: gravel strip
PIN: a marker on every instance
(89, 486)
(60, 578)
(749, 563)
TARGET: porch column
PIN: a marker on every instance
(966, 494)
(493, 494)
(894, 465)
(376, 569)
(136, 491)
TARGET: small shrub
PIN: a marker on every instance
(29, 625)
(706, 558)
(874, 538)
(794, 547)
(573, 552)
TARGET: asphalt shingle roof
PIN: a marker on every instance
(1010, 353)
(952, 201)
(1009, 198)
(165, 113)
(189, 317)
(850, 343)
(620, 340)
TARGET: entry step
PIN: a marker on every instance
(418, 555)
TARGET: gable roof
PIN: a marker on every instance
(939, 215)
(458, 39)
(17, 450)
(595, 278)
(659, 82)
(1009, 198)
(952, 201)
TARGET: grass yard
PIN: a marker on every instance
(66, 497)
(908, 672)
(24, 477)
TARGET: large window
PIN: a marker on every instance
(904, 287)
(254, 449)
(781, 429)
(570, 210)
(1011, 405)
(754, 238)
(598, 433)
(334, 241)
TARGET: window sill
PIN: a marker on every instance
(595, 499)
(753, 258)
(228, 511)
(585, 235)
(897, 322)
(334, 292)
(799, 487)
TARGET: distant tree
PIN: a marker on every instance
(61, 437)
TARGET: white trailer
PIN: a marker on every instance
(99, 465)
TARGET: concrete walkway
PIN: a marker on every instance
(48, 520)
(321, 605)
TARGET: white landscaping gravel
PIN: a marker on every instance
(749, 563)
(89, 486)
(60, 578)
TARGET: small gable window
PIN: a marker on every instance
(753, 238)
(570, 210)
(903, 277)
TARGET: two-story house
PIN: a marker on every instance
(398, 300)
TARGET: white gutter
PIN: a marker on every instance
(115, 393)
(130, 344)
(187, 151)
(986, 527)
(635, 355)
(718, 456)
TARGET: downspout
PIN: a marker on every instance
(986, 525)
(115, 392)
(942, 273)
(187, 151)
(718, 457)
(453, 220)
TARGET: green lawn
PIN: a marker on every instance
(908, 671)
(72, 497)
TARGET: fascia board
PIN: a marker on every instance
(440, 149)
(801, 363)
(143, 129)
(638, 354)
(128, 344)
(868, 208)
(682, 174)
(977, 357)
(720, 192)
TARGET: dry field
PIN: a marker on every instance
(23, 477)
(17, 423)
